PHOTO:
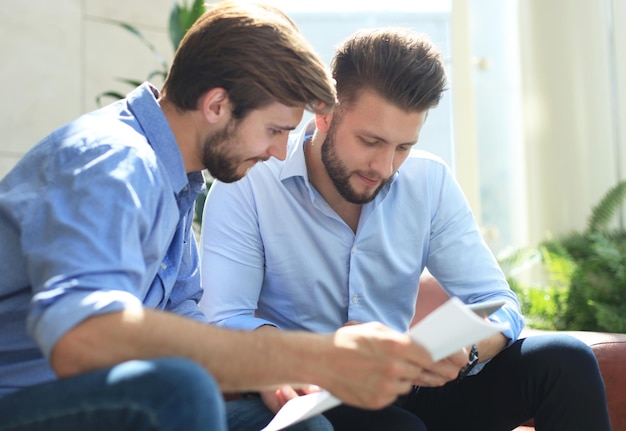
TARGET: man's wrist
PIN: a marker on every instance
(471, 362)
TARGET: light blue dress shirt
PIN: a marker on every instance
(94, 219)
(274, 252)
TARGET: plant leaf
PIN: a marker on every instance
(604, 211)
(133, 30)
(182, 18)
(112, 94)
(161, 74)
(131, 82)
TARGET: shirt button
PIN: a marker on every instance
(353, 250)
(163, 265)
(355, 299)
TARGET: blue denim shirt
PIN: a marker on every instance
(95, 218)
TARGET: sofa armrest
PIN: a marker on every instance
(610, 350)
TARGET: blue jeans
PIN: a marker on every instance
(158, 395)
(252, 415)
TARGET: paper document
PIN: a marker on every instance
(451, 327)
(301, 408)
(446, 330)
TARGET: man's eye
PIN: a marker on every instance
(275, 132)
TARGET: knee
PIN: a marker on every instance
(188, 391)
(183, 375)
(565, 354)
(564, 347)
(172, 383)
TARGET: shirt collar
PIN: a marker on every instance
(295, 165)
(143, 104)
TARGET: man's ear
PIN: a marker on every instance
(215, 105)
(322, 121)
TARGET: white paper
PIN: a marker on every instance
(446, 330)
(451, 327)
(301, 408)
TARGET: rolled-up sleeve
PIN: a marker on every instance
(90, 241)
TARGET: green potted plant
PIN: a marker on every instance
(586, 273)
(181, 18)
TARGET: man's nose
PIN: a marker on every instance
(382, 163)
(278, 149)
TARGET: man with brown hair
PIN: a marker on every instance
(365, 216)
(99, 322)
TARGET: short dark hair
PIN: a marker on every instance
(398, 64)
(256, 53)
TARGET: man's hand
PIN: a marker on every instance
(443, 371)
(441, 368)
(370, 365)
(277, 398)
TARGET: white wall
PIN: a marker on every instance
(574, 119)
(58, 55)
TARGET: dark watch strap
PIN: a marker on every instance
(471, 362)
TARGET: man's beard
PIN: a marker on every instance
(338, 172)
(217, 157)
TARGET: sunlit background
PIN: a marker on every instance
(532, 124)
(371, 5)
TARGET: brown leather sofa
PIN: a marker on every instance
(610, 350)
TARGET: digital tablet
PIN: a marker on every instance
(484, 309)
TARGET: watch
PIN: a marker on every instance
(472, 360)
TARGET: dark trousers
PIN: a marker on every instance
(552, 378)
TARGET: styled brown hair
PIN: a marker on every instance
(256, 53)
(398, 64)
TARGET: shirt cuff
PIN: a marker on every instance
(52, 316)
(244, 323)
(516, 322)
